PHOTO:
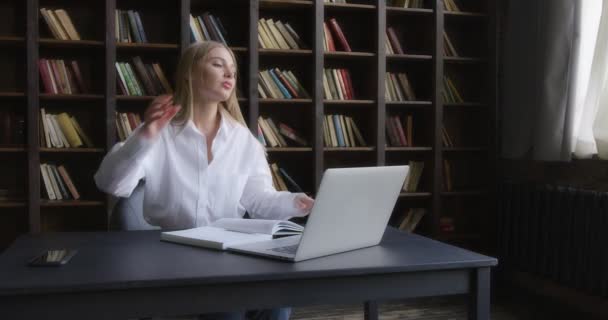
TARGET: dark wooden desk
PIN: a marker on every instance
(119, 275)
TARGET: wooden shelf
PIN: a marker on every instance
(349, 149)
(12, 204)
(399, 104)
(348, 6)
(409, 57)
(11, 40)
(71, 203)
(13, 149)
(51, 43)
(134, 98)
(409, 149)
(449, 59)
(146, 46)
(285, 4)
(464, 193)
(347, 54)
(283, 101)
(239, 49)
(454, 14)
(289, 149)
(12, 95)
(464, 105)
(465, 149)
(72, 150)
(71, 97)
(368, 103)
(285, 52)
(415, 195)
(416, 11)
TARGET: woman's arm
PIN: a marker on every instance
(263, 201)
(122, 168)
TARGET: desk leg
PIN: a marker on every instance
(370, 310)
(479, 295)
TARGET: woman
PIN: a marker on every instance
(199, 160)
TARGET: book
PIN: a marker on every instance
(227, 232)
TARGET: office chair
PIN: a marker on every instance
(128, 213)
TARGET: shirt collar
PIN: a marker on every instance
(227, 124)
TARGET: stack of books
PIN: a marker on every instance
(62, 131)
(60, 24)
(405, 3)
(128, 27)
(451, 5)
(448, 47)
(278, 35)
(392, 44)
(207, 27)
(337, 85)
(341, 131)
(278, 84)
(282, 181)
(400, 135)
(331, 31)
(57, 183)
(126, 122)
(274, 136)
(413, 176)
(140, 79)
(61, 77)
(411, 219)
(398, 87)
(335, 1)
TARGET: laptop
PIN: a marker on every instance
(351, 211)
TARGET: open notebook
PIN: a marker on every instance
(232, 231)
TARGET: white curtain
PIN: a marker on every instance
(590, 120)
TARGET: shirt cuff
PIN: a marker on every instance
(289, 205)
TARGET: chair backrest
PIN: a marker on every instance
(128, 213)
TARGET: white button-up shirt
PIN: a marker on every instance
(184, 190)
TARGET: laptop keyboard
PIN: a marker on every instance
(286, 249)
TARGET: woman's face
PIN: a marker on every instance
(213, 78)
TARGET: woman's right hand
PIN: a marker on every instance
(157, 115)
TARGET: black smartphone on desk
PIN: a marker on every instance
(53, 257)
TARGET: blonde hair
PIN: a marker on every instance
(183, 83)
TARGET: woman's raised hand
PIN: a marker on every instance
(160, 111)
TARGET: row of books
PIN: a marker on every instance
(207, 27)
(451, 5)
(335, 1)
(61, 76)
(331, 31)
(278, 35)
(450, 93)
(411, 219)
(392, 44)
(405, 3)
(140, 79)
(448, 47)
(57, 182)
(413, 176)
(341, 131)
(278, 84)
(399, 135)
(128, 27)
(283, 181)
(398, 88)
(59, 23)
(337, 85)
(274, 136)
(126, 122)
(62, 131)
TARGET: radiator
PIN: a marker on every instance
(559, 233)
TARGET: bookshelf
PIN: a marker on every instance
(25, 38)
